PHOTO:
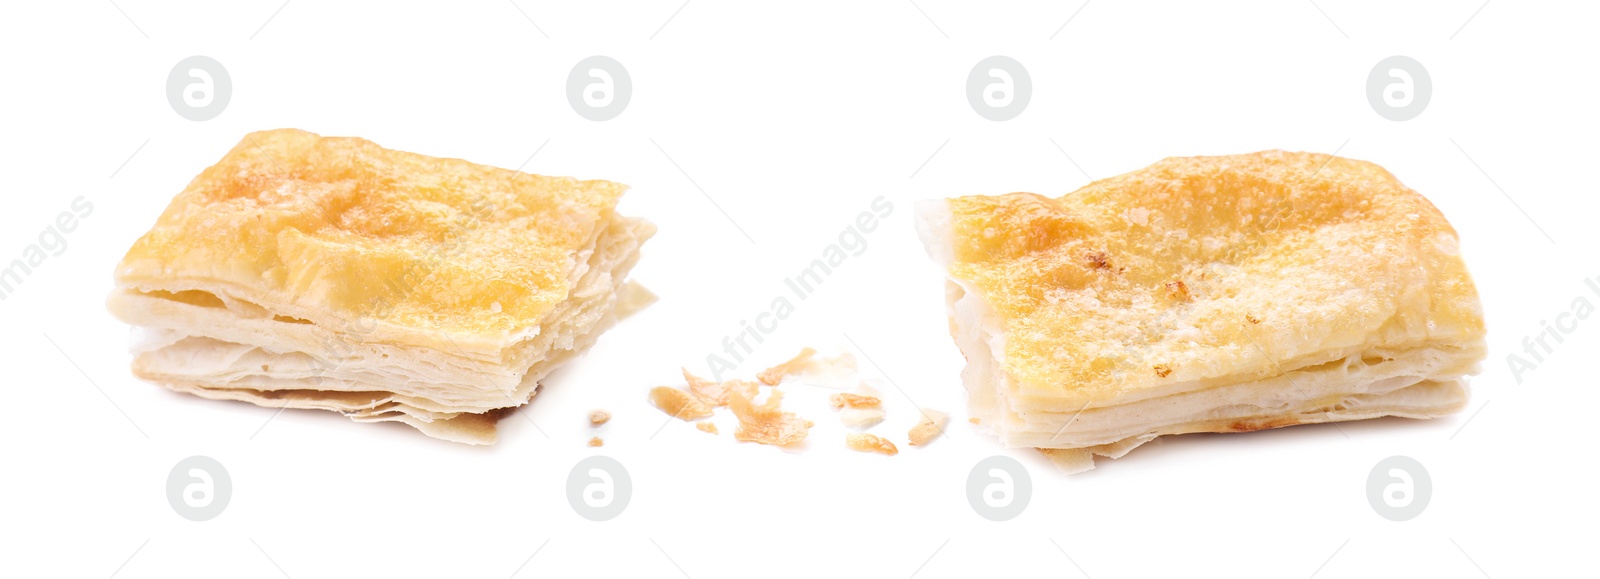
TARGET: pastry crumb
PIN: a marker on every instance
(596, 441)
(679, 404)
(1162, 370)
(861, 409)
(1069, 460)
(766, 423)
(715, 394)
(598, 417)
(870, 443)
(844, 399)
(861, 417)
(974, 420)
(931, 426)
(832, 372)
(772, 376)
(707, 426)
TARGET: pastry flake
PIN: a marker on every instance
(714, 393)
(870, 443)
(326, 272)
(860, 409)
(1206, 294)
(679, 404)
(844, 399)
(931, 426)
(766, 423)
(772, 376)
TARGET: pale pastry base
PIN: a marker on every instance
(1426, 381)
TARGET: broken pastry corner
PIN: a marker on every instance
(1355, 303)
(870, 443)
(330, 273)
(633, 298)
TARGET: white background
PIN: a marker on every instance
(792, 118)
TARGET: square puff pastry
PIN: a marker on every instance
(310, 272)
(1205, 294)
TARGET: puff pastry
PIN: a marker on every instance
(310, 272)
(1205, 294)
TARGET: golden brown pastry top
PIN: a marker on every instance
(1193, 267)
(339, 229)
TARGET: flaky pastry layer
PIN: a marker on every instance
(222, 315)
(1208, 294)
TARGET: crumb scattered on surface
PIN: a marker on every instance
(766, 423)
(843, 399)
(974, 420)
(833, 372)
(1162, 370)
(861, 417)
(713, 393)
(596, 441)
(598, 417)
(706, 390)
(679, 404)
(1069, 460)
(706, 426)
(931, 426)
(772, 376)
(860, 409)
(870, 443)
